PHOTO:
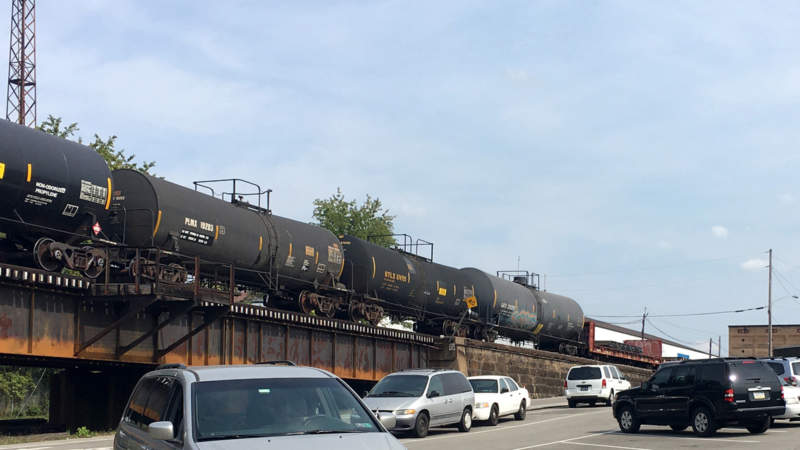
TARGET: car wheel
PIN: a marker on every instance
(759, 427)
(466, 421)
(571, 403)
(771, 422)
(493, 416)
(521, 412)
(421, 425)
(592, 403)
(627, 420)
(678, 427)
(703, 422)
(611, 397)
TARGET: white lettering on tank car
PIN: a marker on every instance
(93, 193)
(70, 210)
(189, 222)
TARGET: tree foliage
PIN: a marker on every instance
(366, 221)
(116, 159)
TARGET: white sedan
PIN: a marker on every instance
(498, 396)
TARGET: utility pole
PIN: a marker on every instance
(710, 341)
(21, 95)
(644, 316)
(719, 346)
(769, 307)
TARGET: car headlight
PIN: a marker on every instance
(481, 405)
(405, 412)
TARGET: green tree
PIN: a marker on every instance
(367, 220)
(116, 159)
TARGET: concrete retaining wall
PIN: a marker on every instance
(542, 373)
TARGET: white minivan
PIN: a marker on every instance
(591, 384)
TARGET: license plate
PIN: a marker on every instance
(759, 396)
(584, 388)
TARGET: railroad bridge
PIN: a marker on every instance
(107, 335)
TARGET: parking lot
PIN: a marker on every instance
(586, 427)
(555, 427)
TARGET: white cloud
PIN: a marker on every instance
(719, 231)
(786, 199)
(754, 264)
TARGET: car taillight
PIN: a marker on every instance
(791, 380)
(728, 395)
(782, 397)
(565, 384)
(604, 383)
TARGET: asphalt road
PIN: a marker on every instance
(558, 428)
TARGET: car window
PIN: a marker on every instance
(750, 372)
(228, 409)
(400, 386)
(584, 373)
(606, 372)
(711, 374)
(777, 367)
(149, 402)
(436, 385)
(485, 386)
(455, 383)
(681, 376)
(503, 385)
(615, 373)
(661, 378)
(175, 411)
(511, 384)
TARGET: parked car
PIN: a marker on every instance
(498, 396)
(590, 384)
(424, 398)
(707, 394)
(249, 406)
(786, 368)
(791, 395)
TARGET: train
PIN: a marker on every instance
(62, 207)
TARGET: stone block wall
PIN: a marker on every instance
(541, 372)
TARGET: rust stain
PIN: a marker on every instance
(5, 324)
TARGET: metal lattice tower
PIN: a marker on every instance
(21, 103)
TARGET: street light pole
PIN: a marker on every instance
(769, 306)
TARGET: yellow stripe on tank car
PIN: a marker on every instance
(2, 170)
(260, 243)
(373, 267)
(316, 257)
(495, 299)
(341, 269)
(216, 233)
(30, 169)
(538, 328)
(290, 249)
(108, 195)
(158, 223)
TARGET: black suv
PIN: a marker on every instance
(707, 394)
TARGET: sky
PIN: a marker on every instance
(636, 154)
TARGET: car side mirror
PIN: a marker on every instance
(433, 394)
(387, 419)
(161, 430)
(364, 394)
(504, 390)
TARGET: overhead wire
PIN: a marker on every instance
(711, 313)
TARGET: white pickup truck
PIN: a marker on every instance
(497, 396)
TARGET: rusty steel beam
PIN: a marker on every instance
(135, 306)
(174, 313)
(210, 318)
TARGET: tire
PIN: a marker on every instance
(679, 427)
(571, 403)
(465, 424)
(592, 403)
(421, 425)
(759, 427)
(703, 422)
(611, 398)
(494, 416)
(521, 412)
(771, 422)
(627, 420)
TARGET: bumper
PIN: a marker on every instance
(745, 414)
(792, 412)
(587, 396)
(481, 413)
(406, 422)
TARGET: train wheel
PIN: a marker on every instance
(43, 256)
(352, 312)
(304, 302)
(97, 265)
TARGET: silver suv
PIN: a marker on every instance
(787, 369)
(423, 398)
(237, 407)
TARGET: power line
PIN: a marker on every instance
(681, 341)
(755, 308)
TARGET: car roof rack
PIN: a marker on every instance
(170, 366)
(277, 362)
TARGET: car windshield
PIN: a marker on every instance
(584, 373)
(484, 386)
(400, 386)
(233, 409)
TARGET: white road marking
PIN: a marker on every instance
(36, 448)
(562, 441)
(777, 431)
(606, 446)
(473, 433)
(707, 439)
